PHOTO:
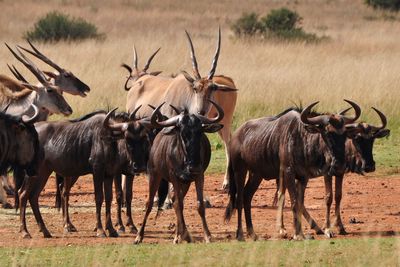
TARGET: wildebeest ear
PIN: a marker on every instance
(382, 133)
(212, 128)
(312, 128)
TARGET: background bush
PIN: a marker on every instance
(55, 26)
(393, 5)
(278, 24)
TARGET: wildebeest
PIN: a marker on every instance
(73, 149)
(18, 144)
(292, 145)
(359, 159)
(180, 154)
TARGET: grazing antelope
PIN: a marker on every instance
(293, 146)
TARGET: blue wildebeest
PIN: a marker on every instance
(292, 145)
(359, 159)
(73, 149)
(180, 154)
(18, 145)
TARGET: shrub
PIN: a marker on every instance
(246, 25)
(55, 26)
(278, 24)
(392, 5)
(281, 20)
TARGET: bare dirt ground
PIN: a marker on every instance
(372, 201)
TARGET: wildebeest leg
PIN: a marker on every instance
(297, 201)
(249, 190)
(199, 183)
(154, 183)
(281, 203)
(328, 203)
(108, 195)
(19, 176)
(338, 198)
(59, 188)
(68, 183)
(6, 185)
(99, 197)
(119, 195)
(38, 186)
(181, 230)
(128, 201)
(3, 198)
(240, 176)
(24, 193)
(275, 200)
(123, 188)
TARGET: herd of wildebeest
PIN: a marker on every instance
(162, 133)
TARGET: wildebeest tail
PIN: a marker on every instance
(59, 184)
(230, 208)
(162, 193)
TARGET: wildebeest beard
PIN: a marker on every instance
(336, 148)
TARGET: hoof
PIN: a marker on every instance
(342, 231)
(240, 236)
(121, 229)
(299, 237)
(253, 236)
(26, 235)
(112, 233)
(328, 233)
(309, 237)
(100, 233)
(282, 233)
(207, 239)
(69, 229)
(47, 234)
(133, 229)
(138, 240)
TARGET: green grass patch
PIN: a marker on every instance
(336, 252)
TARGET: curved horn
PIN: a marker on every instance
(357, 111)
(383, 120)
(29, 64)
(135, 58)
(322, 119)
(343, 112)
(193, 57)
(217, 119)
(42, 57)
(215, 59)
(128, 68)
(132, 116)
(32, 119)
(160, 124)
(175, 109)
(150, 59)
(107, 118)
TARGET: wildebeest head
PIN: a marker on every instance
(48, 96)
(21, 143)
(204, 87)
(135, 133)
(190, 128)
(364, 142)
(134, 72)
(334, 129)
(64, 79)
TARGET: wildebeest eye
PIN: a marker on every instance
(49, 90)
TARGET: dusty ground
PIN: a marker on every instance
(372, 201)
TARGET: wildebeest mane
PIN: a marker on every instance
(89, 115)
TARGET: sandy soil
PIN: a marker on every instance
(372, 202)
